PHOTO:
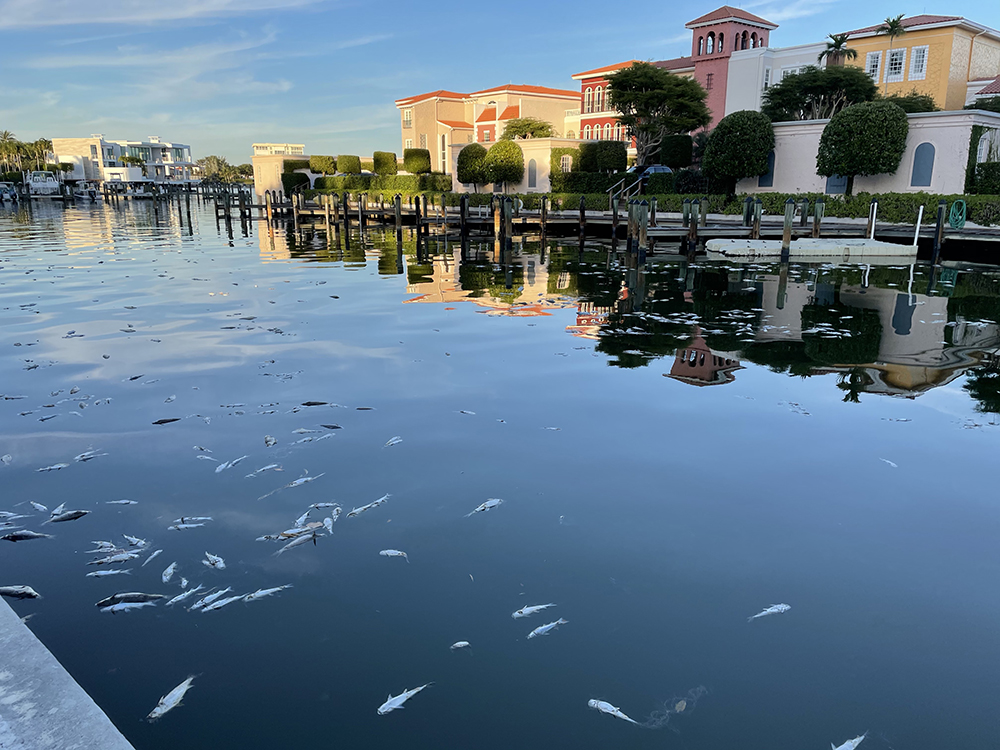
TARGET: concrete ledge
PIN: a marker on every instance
(41, 706)
(845, 249)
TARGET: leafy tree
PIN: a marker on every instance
(986, 103)
(913, 102)
(983, 384)
(211, 166)
(323, 164)
(384, 163)
(738, 147)
(417, 160)
(865, 139)
(245, 171)
(653, 103)
(837, 51)
(527, 127)
(676, 151)
(818, 93)
(349, 164)
(603, 156)
(504, 163)
(471, 168)
(892, 28)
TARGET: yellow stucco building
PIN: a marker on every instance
(948, 57)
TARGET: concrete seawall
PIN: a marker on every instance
(41, 706)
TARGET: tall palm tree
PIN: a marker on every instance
(7, 143)
(892, 28)
(837, 50)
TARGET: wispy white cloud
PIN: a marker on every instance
(27, 13)
(361, 41)
(777, 11)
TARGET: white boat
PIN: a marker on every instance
(42, 183)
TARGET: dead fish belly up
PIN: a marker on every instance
(171, 700)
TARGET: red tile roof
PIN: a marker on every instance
(456, 124)
(678, 63)
(909, 23)
(990, 88)
(728, 11)
(522, 89)
(515, 111)
(606, 69)
(489, 115)
(440, 94)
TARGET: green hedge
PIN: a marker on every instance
(349, 164)
(587, 182)
(676, 151)
(385, 184)
(416, 160)
(384, 163)
(290, 165)
(988, 178)
(602, 156)
(555, 159)
(323, 164)
(292, 180)
(15, 177)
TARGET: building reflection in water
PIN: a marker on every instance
(698, 364)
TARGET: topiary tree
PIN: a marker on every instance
(416, 160)
(865, 139)
(738, 147)
(349, 164)
(612, 156)
(527, 127)
(471, 167)
(504, 163)
(384, 163)
(323, 164)
(676, 151)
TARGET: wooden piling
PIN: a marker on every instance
(872, 216)
(942, 209)
(804, 213)
(397, 207)
(652, 211)
(463, 215)
(758, 212)
(786, 234)
(583, 216)
(686, 212)
(695, 207)
(703, 215)
(819, 208)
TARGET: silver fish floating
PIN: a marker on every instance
(321, 506)
(39, 507)
(373, 504)
(217, 605)
(214, 561)
(121, 502)
(185, 594)
(298, 541)
(171, 700)
(459, 644)
(134, 541)
(229, 464)
(774, 609)
(261, 593)
(59, 509)
(168, 573)
(546, 629)
(149, 559)
(118, 557)
(54, 467)
(529, 611)
(103, 573)
(397, 702)
(261, 470)
(393, 441)
(189, 519)
(394, 553)
(69, 515)
(126, 607)
(19, 592)
(606, 708)
(295, 483)
(24, 535)
(850, 744)
(183, 526)
(206, 600)
(128, 596)
(89, 456)
(490, 504)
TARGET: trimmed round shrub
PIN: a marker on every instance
(384, 163)
(349, 164)
(738, 148)
(864, 139)
(323, 164)
(504, 163)
(471, 168)
(417, 160)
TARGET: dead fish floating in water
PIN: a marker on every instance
(190, 519)
(121, 502)
(114, 559)
(171, 700)
(69, 515)
(222, 603)
(295, 483)
(53, 467)
(167, 421)
(39, 507)
(546, 629)
(126, 607)
(168, 573)
(208, 599)
(774, 609)
(298, 541)
(397, 702)
(394, 553)
(19, 592)
(270, 441)
(460, 644)
(128, 596)
(850, 744)
(262, 469)
(134, 541)
(6, 459)
(393, 441)
(529, 611)
(185, 594)
(104, 573)
(261, 593)
(214, 561)
(373, 504)
(183, 526)
(490, 504)
(149, 559)
(24, 535)
(229, 464)
(606, 708)
(315, 403)
(88, 456)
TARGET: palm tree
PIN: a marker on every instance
(7, 144)
(837, 51)
(892, 28)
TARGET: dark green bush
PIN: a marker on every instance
(738, 147)
(612, 156)
(15, 177)
(385, 185)
(416, 160)
(988, 178)
(676, 151)
(290, 165)
(660, 182)
(588, 158)
(556, 155)
(292, 180)
(349, 164)
(690, 181)
(322, 164)
(384, 163)
(987, 104)
(471, 165)
(863, 139)
(504, 163)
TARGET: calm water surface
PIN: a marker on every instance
(677, 448)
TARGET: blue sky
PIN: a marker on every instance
(222, 74)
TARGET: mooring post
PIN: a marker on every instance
(703, 214)
(872, 215)
(939, 231)
(643, 237)
(508, 223)
(614, 217)
(652, 211)
(686, 212)
(416, 216)
(426, 215)
(347, 213)
(804, 215)
(758, 213)
(463, 215)
(583, 216)
(397, 208)
(916, 229)
(819, 208)
(747, 211)
(786, 234)
(326, 214)
(695, 207)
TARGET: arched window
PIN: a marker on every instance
(710, 44)
(722, 41)
(701, 45)
(983, 149)
(923, 165)
(618, 131)
(745, 41)
(588, 101)
(753, 40)
(571, 134)
(607, 131)
(532, 173)
(586, 132)
(598, 99)
(566, 163)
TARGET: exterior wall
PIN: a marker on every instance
(539, 149)
(97, 155)
(797, 143)
(78, 151)
(985, 58)
(267, 171)
(712, 70)
(748, 71)
(277, 149)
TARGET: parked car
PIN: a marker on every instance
(8, 191)
(655, 169)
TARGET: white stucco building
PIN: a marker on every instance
(96, 158)
(753, 71)
(935, 160)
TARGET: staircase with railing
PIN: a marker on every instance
(621, 192)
